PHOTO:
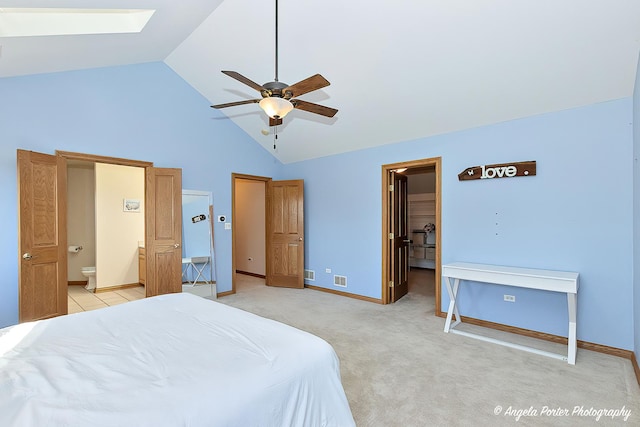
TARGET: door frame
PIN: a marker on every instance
(435, 162)
(234, 178)
(68, 155)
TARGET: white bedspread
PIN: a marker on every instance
(172, 360)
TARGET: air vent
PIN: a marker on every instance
(309, 275)
(340, 281)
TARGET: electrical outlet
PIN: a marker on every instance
(327, 270)
(510, 298)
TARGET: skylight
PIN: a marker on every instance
(25, 22)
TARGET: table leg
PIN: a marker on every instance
(453, 309)
(572, 337)
(199, 272)
(185, 272)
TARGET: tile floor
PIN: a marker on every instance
(82, 300)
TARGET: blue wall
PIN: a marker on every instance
(575, 215)
(143, 112)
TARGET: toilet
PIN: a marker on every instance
(90, 274)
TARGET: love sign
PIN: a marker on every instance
(503, 170)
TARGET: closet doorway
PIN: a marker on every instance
(411, 238)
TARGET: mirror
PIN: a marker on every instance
(198, 260)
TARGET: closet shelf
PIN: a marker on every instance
(422, 210)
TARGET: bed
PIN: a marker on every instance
(171, 360)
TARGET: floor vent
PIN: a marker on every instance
(309, 275)
(340, 281)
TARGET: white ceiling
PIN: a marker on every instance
(399, 69)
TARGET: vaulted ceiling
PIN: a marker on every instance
(399, 69)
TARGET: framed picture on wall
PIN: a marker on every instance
(131, 205)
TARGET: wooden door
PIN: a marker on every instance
(42, 240)
(399, 241)
(285, 234)
(163, 242)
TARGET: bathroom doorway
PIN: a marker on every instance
(42, 230)
(105, 225)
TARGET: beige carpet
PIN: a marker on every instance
(400, 369)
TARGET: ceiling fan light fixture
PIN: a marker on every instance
(275, 107)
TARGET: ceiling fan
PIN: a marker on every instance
(279, 98)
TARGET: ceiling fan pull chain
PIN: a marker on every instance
(275, 136)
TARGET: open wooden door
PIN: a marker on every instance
(42, 240)
(285, 234)
(399, 238)
(163, 243)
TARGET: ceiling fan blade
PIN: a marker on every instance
(314, 108)
(307, 85)
(239, 77)
(274, 122)
(233, 104)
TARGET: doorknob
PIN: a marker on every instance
(407, 241)
(177, 245)
(300, 239)
(27, 256)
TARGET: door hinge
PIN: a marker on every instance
(390, 236)
(390, 187)
(391, 285)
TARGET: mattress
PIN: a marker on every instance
(171, 360)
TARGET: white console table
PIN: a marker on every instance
(557, 281)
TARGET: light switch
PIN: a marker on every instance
(227, 226)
